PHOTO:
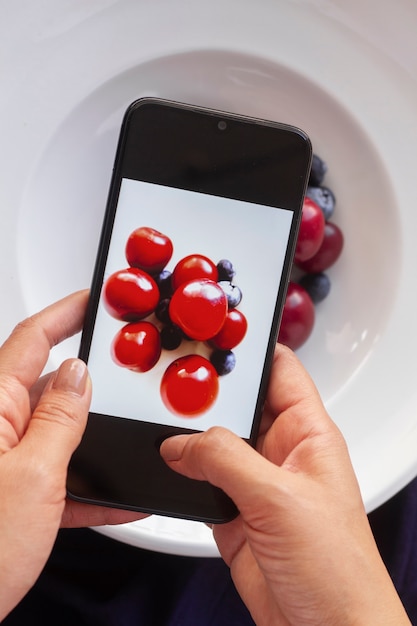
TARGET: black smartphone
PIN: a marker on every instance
(187, 294)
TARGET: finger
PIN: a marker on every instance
(80, 515)
(226, 461)
(290, 383)
(294, 399)
(25, 352)
(37, 390)
(60, 417)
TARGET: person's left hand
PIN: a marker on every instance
(41, 423)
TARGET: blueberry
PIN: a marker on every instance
(316, 285)
(226, 270)
(223, 361)
(163, 280)
(162, 311)
(171, 337)
(324, 197)
(318, 171)
(233, 293)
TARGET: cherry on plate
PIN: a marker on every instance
(311, 231)
(297, 318)
(189, 386)
(328, 253)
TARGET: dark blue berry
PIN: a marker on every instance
(233, 293)
(324, 197)
(226, 270)
(316, 285)
(162, 311)
(171, 337)
(223, 361)
(163, 280)
(318, 171)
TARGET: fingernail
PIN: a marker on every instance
(71, 377)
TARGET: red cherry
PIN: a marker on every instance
(311, 231)
(192, 267)
(199, 308)
(130, 294)
(328, 253)
(137, 346)
(297, 317)
(148, 249)
(189, 386)
(232, 332)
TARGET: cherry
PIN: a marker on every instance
(199, 308)
(148, 249)
(328, 253)
(137, 346)
(297, 317)
(232, 332)
(311, 231)
(130, 294)
(189, 386)
(192, 267)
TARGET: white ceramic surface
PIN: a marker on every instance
(345, 73)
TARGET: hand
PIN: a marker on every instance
(301, 552)
(41, 424)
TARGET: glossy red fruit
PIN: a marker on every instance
(311, 231)
(199, 308)
(297, 318)
(148, 249)
(328, 253)
(137, 346)
(130, 294)
(232, 332)
(189, 386)
(194, 266)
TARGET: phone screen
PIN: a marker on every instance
(254, 238)
(219, 187)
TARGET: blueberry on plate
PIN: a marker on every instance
(324, 197)
(223, 361)
(316, 285)
(318, 171)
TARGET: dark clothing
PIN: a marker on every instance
(95, 581)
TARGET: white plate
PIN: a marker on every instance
(346, 73)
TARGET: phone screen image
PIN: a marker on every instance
(224, 195)
(254, 238)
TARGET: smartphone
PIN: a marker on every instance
(186, 299)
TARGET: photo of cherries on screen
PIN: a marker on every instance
(197, 301)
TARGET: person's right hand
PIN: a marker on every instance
(301, 552)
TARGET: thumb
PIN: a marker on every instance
(226, 461)
(60, 417)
